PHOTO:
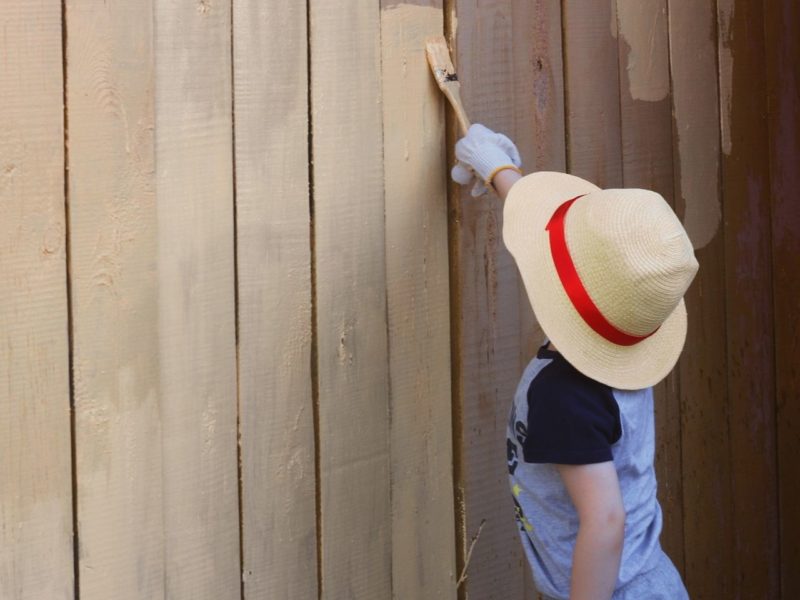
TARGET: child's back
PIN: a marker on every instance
(561, 416)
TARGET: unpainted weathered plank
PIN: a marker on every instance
(703, 389)
(196, 311)
(274, 279)
(423, 522)
(783, 87)
(349, 242)
(748, 284)
(113, 225)
(594, 146)
(36, 555)
(508, 57)
(646, 125)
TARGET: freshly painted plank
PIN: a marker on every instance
(351, 320)
(594, 146)
(508, 56)
(750, 340)
(113, 225)
(196, 310)
(36, 554)
(646, 125)
(274, 279)
(783, 86)
(703, 389)
(418, 299)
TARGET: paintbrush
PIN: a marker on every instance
(445, 74)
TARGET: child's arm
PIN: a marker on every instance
(503, 181)
(594, 489)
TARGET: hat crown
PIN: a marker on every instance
(632, 255)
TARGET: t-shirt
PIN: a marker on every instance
(560, 416)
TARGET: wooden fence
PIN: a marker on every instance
(255, 346)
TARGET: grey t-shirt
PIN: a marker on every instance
(561, 416)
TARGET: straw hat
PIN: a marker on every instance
(605, 274)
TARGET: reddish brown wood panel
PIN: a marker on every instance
(591, 77)
(646, 126)
(509, 60)
(748, 287)
(783, 84)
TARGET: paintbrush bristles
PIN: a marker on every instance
(439, 59)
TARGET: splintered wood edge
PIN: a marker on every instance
(439, 59)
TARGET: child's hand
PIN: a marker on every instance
(482, 153)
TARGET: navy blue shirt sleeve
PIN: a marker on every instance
(572, 419)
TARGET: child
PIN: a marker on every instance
(605, 272)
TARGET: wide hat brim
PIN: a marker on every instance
(529, 206)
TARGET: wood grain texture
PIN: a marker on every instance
(594, 142)
(707, 469)
(783, 87)
(113, 252)
(196, 319)
(647, 162)
(693, 63)
(748, 259)
(508, 57)
(36, 554)
(423, 522)
(274, 279)
(351, 323)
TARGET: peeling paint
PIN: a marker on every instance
(642, 26)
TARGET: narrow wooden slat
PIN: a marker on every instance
(783, 85)
(352, 363)
(508, 57)
(274, 279)
(36, 554)
(113, 224)
(646, 124)
(591, 78)
(196, 317)
(423, 521)
(539, 132)
(702, 367)
(750, 345)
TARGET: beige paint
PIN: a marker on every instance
(725, 10)
(36, 557)
(110, 102)
(350, 268)
(423, 557)
(274, 277)
(696, 115)
(196, 299)
(642, 26)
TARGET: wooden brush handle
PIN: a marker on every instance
(452, 91)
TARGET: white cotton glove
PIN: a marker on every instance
(481, 154)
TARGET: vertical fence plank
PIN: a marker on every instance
(591, 78)
(509, 60)
(751, 378)
(702, 368)
(274, 278)
(423, 521)
(196, 298)
(646, 125)
(110, 95)
(783, 85)
(35, 474)
(352, 364)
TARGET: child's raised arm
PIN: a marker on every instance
(594, 490)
